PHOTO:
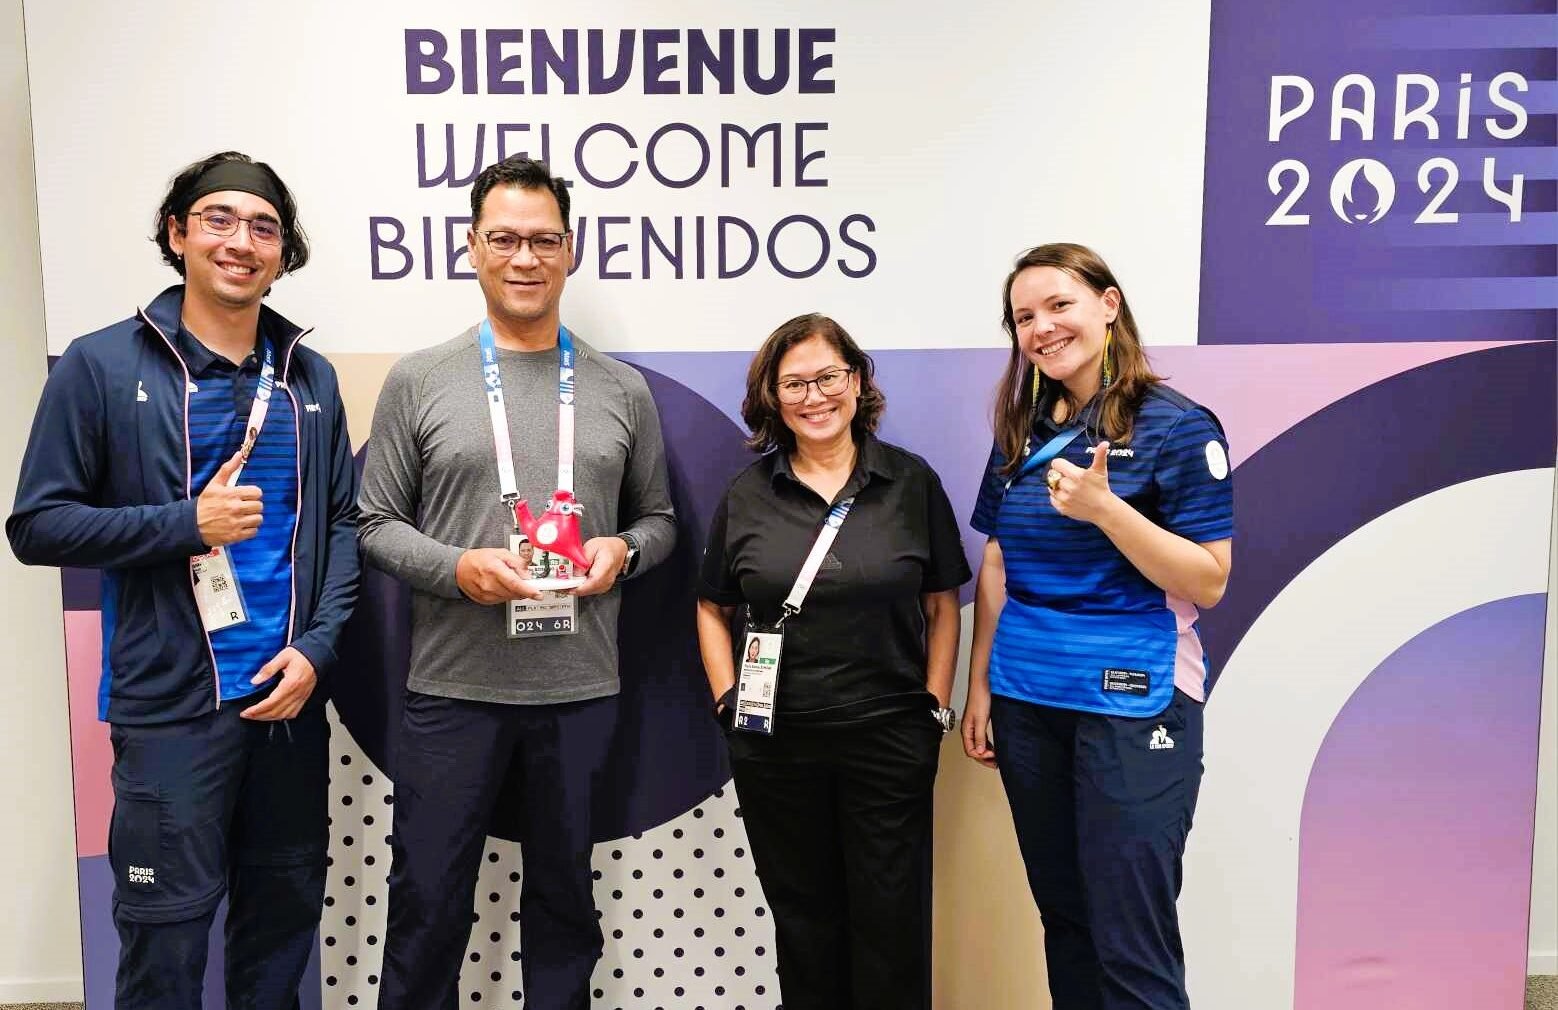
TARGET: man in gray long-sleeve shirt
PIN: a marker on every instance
(489, 695)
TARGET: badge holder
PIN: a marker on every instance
(762, 648)
(556, 612)
(217, 591)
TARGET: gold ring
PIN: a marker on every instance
(1052, 478)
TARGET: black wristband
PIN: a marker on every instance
(725, 703)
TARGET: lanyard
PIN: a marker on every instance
(257, 410)
(825, 536)
(508, 488)
(1054, 447)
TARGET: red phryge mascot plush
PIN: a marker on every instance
(557, 529)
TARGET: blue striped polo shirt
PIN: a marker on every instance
(220, 396)
(1082, 628)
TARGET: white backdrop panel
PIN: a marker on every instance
(965, 132)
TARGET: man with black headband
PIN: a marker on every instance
(197, 456)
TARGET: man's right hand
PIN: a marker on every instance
(491, 575)
(226, 514)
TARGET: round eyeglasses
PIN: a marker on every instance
(830, 383)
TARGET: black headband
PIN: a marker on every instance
(242, 176)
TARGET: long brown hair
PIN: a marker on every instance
(760, 409)
(1132, 375)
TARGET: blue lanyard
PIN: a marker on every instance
(1054, 447)
(493, 379)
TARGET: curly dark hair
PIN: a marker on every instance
(176, 204)
(760, 408)
(524, 173)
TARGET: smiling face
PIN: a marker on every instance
(226, 271)
(522, 290)
(817, 420)
(1060, 324)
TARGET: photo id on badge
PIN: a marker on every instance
(216, 590)
(758, 683)
(555, 613)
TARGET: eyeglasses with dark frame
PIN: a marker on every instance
(222, 222)
(544, 244)
(830, 383)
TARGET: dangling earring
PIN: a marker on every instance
(1108, 365)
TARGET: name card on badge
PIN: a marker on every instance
(555, 613)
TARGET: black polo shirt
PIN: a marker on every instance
(857, 648)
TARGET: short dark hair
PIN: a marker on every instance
(176, 204)
(524, 173)
(760, 408)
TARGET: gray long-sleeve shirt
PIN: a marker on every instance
(430, 492)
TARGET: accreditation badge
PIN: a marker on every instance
(556, 612)
(217, 593)
(758, 682)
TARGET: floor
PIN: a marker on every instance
(1541, 994)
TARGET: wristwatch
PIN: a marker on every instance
(946, 718)
(631, 562)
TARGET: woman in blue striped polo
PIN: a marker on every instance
(1109, 510)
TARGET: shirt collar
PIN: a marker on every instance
(871, 461)
(163, 312)
(1044, 412)
(199, 358)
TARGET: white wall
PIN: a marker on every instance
(40, 940)
(1543, 942)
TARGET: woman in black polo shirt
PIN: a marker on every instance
(835, 784)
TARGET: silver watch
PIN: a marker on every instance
(946, 718)
(630, 562)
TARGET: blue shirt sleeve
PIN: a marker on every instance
(992, 491)
(1194, 479)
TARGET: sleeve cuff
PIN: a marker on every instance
(190, 523)
(724, 599)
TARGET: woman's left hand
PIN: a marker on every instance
(1081, 494)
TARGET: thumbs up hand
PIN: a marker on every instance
(1080, 494)
(228, 514)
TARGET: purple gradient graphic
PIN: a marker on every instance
(1459, 31)
(1416, 838)
(1411, 433)
(1327, 280)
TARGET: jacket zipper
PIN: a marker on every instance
(297, 462)
(216, 675)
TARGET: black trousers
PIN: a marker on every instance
(839, 819)
(212, 806)
(1102, 807)
(455, 759)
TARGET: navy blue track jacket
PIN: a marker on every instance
(105, 483)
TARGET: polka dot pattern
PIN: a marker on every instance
(685, 922)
